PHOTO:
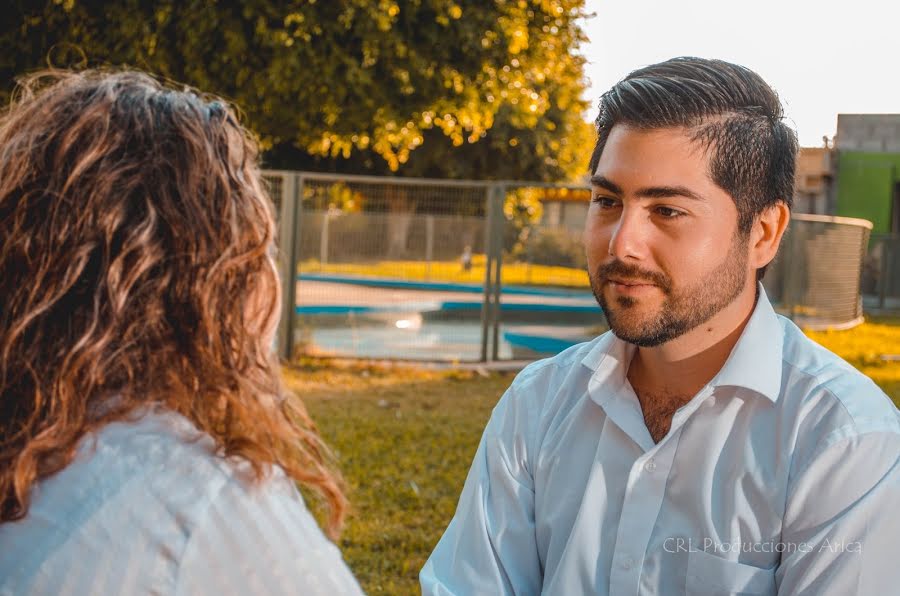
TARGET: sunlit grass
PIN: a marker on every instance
(869, 347)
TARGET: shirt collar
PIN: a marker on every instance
(609, 359)
(754, 362)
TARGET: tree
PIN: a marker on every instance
(441, 88)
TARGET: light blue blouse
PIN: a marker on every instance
(147, 508)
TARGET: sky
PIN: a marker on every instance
(823, 58)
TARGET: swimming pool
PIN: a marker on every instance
(411, 338)
(360, 317)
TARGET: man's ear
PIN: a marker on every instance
(765, 235)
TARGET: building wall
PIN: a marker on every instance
(865, 186)
(869, 132)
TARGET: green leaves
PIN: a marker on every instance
(352, 84)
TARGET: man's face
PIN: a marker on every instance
(663, 250)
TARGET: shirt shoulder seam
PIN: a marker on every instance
(827, 389)
(836, 437)
(226, 479)
(853, 428)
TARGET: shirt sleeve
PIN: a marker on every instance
(490, 546)
(261, 539)
(841, 521)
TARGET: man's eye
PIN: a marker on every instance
(668, 212)
(606, 202)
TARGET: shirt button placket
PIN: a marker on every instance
(643, 498)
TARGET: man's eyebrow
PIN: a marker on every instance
(663, 192)
(604, 182)
(650, 192)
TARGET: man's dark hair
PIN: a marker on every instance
(728, 108)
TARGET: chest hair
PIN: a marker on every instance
(658, 410)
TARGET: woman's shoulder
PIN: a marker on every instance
(155, 442)
(144, 487)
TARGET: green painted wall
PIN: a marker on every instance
(865, 183)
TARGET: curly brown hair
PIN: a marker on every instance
(135, 261)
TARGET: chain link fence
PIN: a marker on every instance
(384, 268)
(443, 270)
(542, 258)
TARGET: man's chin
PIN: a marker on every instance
(626, 326)
(636, 327)
(639, 337)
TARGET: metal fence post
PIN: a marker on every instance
(288, 245)
(323, 241)
(498, 223)
(488, 262)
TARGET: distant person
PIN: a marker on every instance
(466, 258)
(704, 445)
(147, 445)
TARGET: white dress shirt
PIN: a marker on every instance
(146, 509)
(779, 477)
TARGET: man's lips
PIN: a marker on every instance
(629, 283)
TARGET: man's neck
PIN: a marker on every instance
(681, 367)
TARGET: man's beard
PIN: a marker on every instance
(681, 310)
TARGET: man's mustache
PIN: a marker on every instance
(623, 271)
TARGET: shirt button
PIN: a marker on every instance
(650, 466)
(627, 563)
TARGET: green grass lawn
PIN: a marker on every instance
(405, 439)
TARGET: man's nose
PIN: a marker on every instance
(628, 239)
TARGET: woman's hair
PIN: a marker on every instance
(136, 245)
